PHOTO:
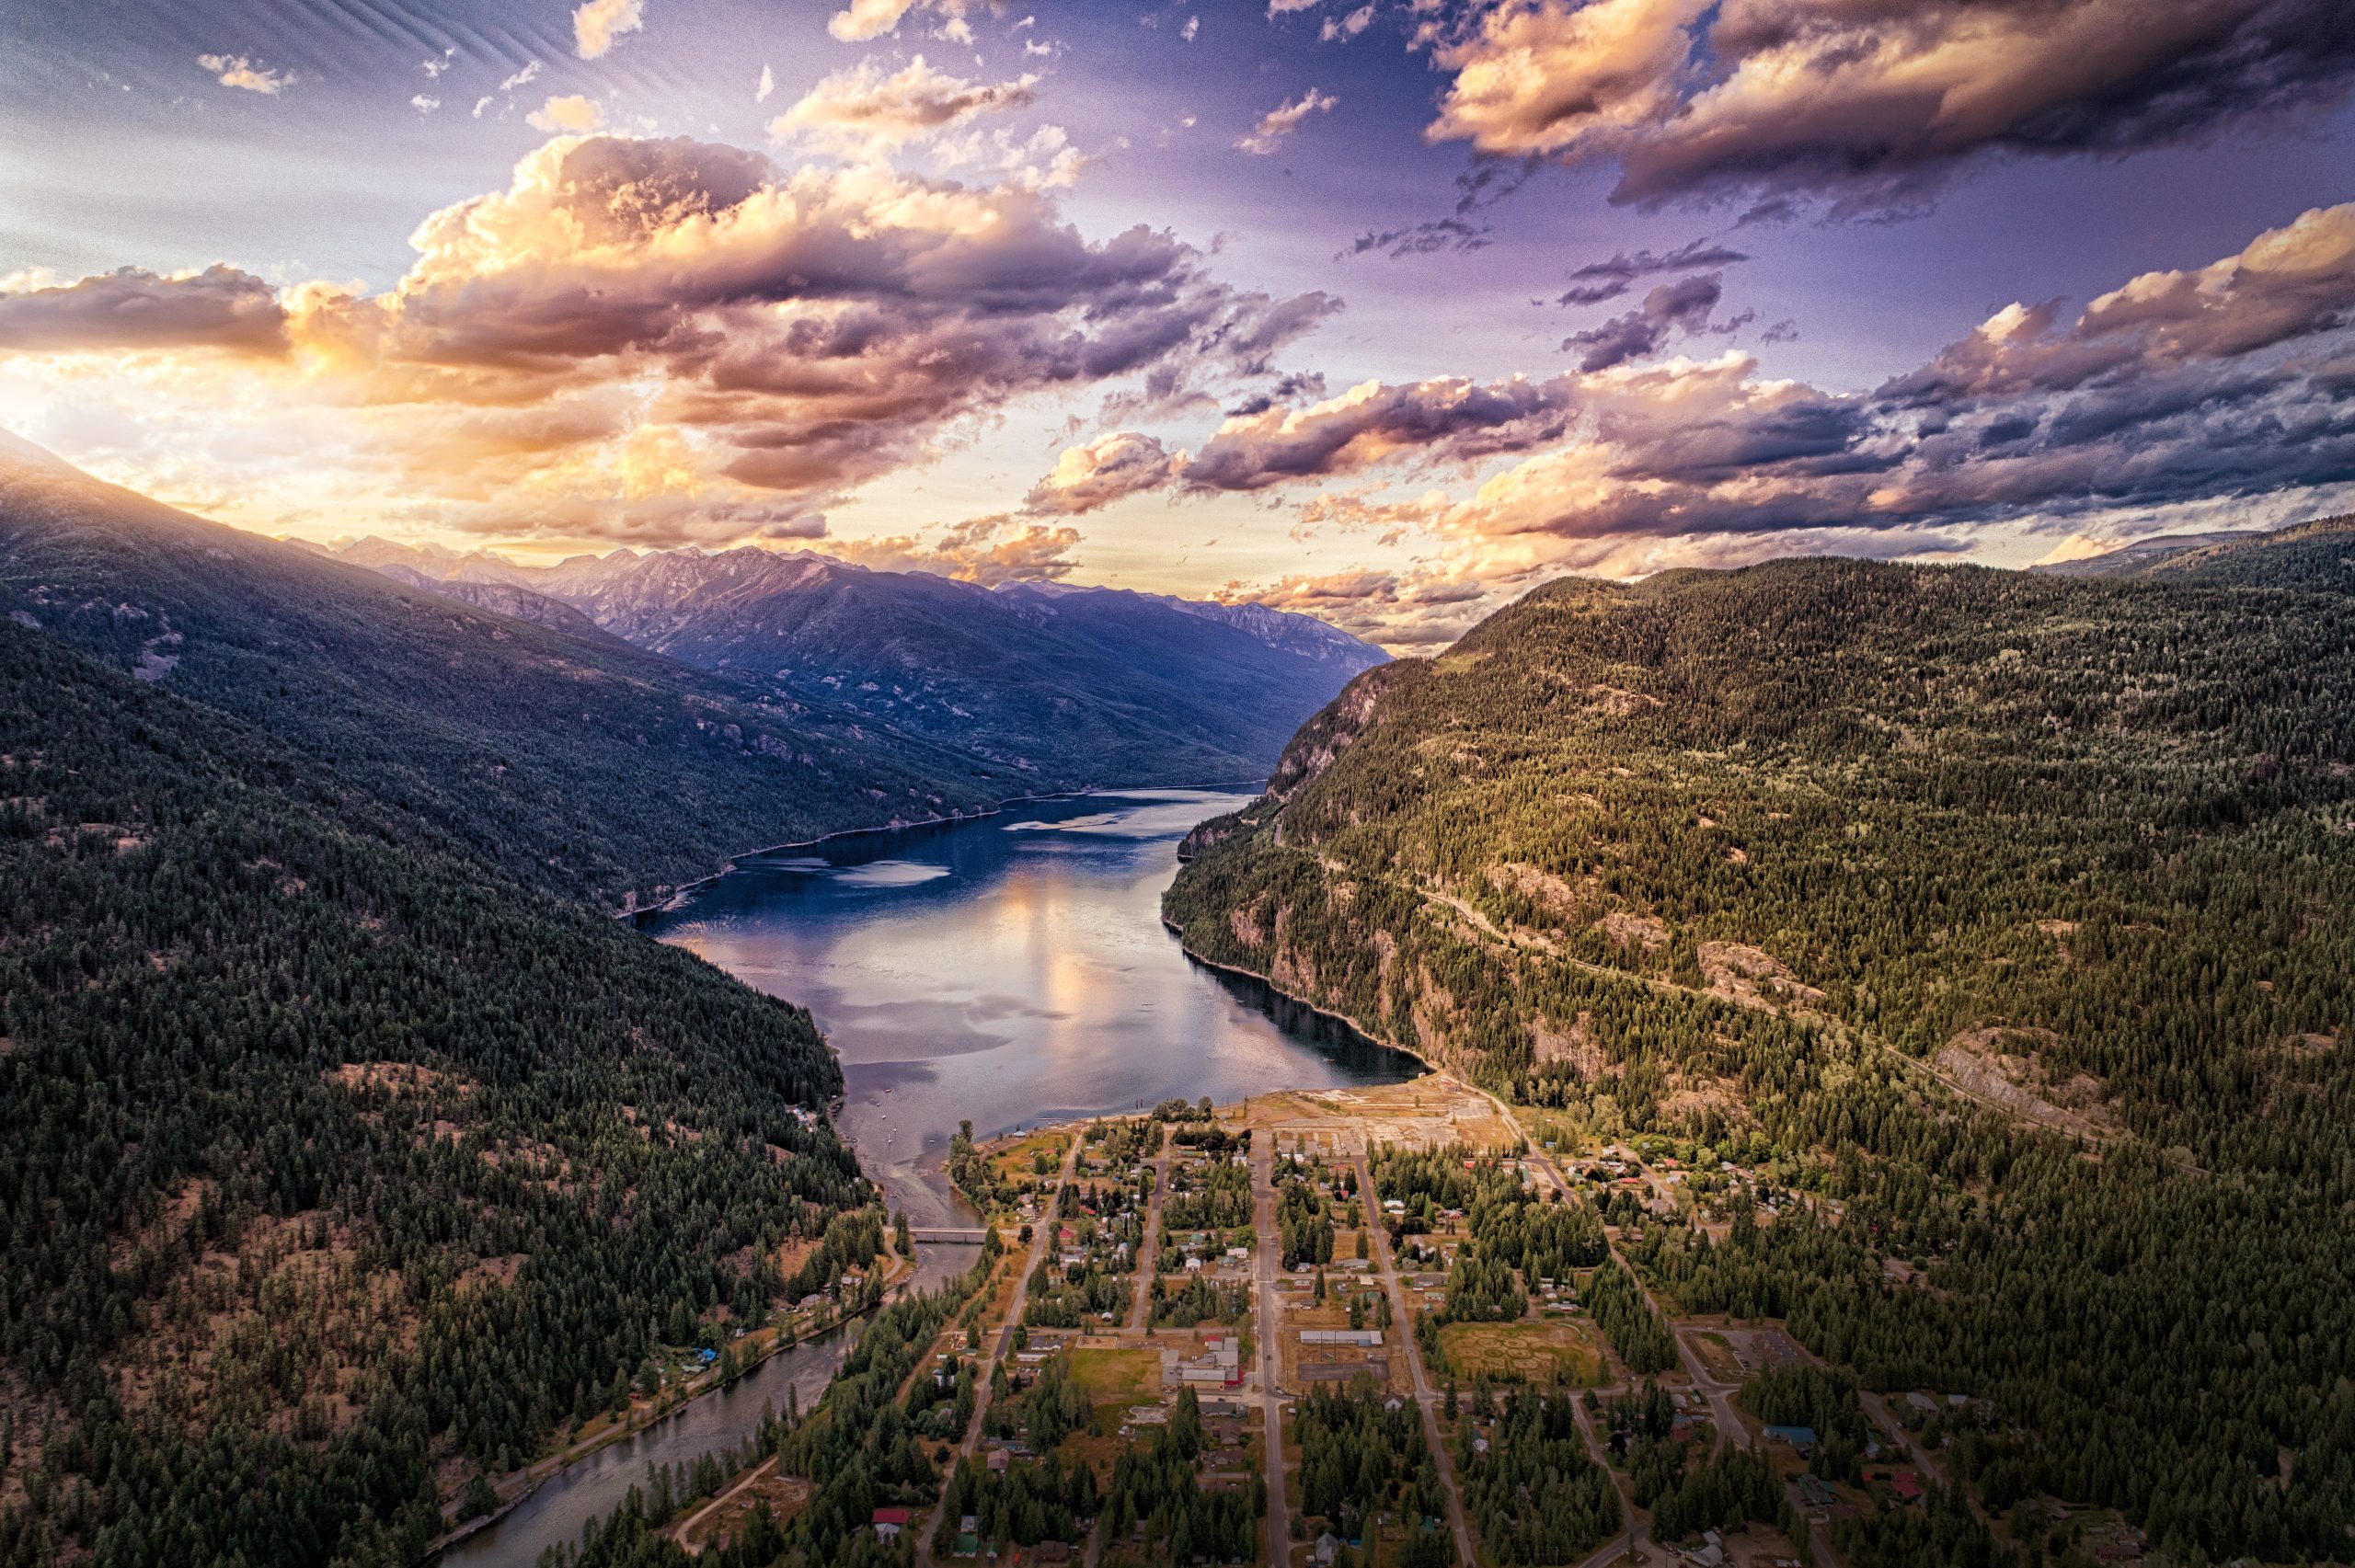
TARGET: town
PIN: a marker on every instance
(1403, 1324)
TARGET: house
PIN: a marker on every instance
(998, 1461)
(888, 1523)
(1341, 1336)
(1052, 1552)
(1907, 1485)
(1328, 1549)
(1799, 1437)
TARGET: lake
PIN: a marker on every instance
(1010, 970)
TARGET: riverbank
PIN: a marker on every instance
(656, 1424)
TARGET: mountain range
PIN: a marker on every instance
(1048, 682)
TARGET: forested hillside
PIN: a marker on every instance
(573, 761)
(2015, 911)
(334, 1167)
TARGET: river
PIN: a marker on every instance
(1008, 971)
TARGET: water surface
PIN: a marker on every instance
(1009, 970)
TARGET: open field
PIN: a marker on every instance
(1426, 1113)
(1555, 1350)
(1117, 1379)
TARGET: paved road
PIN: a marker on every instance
(1041, 1235)
(1263, 1196)
(1148, 1250)
(1426, 1398)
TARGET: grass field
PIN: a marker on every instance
(1117, 1379)
(1559, 1349)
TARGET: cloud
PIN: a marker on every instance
(1442, 422)
(862, 112)
(1543, 76)
(1600, 280)
(1683, 308)
(1282, 120)
(1265, 444)
(524, 77)
(667, 341)
(424, 104)
(989, 550)
(865, 19)
(2195, 396)
(2288, 284)
(221, 307)
(1339, 29)
(1100, 471)
(598, 24)
(570, 113)
(1422, 239)
(768, 85)
(1873, 103)
(237, 70)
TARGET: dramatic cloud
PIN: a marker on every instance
(670, 340)
(1265, 444)
(1571, 80)
(1682, 308)
(133, 309)
(1874, 102)
(237, 70)
(1439, 421)
(2172, 393)
(1600, 280)
(598, 23)
(2288, 284)
(1282, 120)
(862, 112)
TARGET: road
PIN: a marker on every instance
(1426, 1397)
(1263, 1197)
(1042, 1237)
(1628, 1542)
(1141, 1307)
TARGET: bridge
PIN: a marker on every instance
(969, 1238)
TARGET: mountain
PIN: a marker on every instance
(2012, 916)
(1055, 685)
(2131, 558)
(2315, 554)
(338, 1166)
(572, 759)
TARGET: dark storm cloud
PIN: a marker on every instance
(1872, 103)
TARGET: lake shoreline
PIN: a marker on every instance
(632, 910)
(1368, 1035)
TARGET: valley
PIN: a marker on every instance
(1735, 1066)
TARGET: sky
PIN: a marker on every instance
(1385, 310)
